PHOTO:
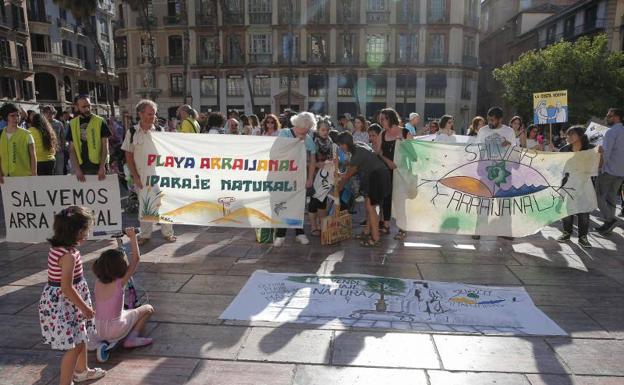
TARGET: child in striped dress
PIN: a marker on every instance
(65, 310)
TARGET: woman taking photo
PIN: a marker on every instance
(391, 123)
(17, 146)
(375, 183)
(516, 123)
(577, 141)
(45, 144)
(270, 125)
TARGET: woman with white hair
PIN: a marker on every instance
(304, 124)
(188, 118)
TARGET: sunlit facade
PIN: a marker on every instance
(346, 56)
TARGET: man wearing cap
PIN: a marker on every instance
(414, 119)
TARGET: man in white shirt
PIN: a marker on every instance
(496, 133)
(136, 145)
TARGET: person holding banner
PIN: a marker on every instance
(45, 145)
(188, 117)
(446, 134)
(392, 132)
(303, 123)
(88, 141)
(611, 174)
(375, 183)
(135, 145)
(496, 132)
(17, 146)
(577, 141)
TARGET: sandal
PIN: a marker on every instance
(370, 243)
(142, 241)
(170, 239)
(384, 229)
(362, 235)
(400, 235)
(89, 375)
(315, 233)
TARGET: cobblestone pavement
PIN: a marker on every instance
(192, 281)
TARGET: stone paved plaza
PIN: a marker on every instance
(192, 281)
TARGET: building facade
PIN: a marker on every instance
(65, 60)
(345, 56)
(511, 28)
(16, 65)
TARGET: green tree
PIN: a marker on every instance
(84, 12)
(593, 76)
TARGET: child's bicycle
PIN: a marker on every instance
(131, 299)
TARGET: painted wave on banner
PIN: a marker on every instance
(484, 189)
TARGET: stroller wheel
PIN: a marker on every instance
(103, 352)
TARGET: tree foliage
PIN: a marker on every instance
(593, 76)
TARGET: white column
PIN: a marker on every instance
(420, 93)
(247, 95)
(391, 90)
(303, 88)
(275, 89)
(456, 42)
(222, 93)
(332, 98)
(361, 89)
(332, 45)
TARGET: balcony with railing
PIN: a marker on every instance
(318, 17)
(233, 18)
(151, 21)
(121, 62)
(404, 17)
(316, 92)
(438, 18)
(313, 59)
(146, 60)
(348, 60)
(8, 62)
(435, 92)
(234, 60)
(377, 17)
(283, 17)
(436, 60)
(406, 91)
(407, 60)
(19, 26)
(377, 58)
(260, 17)
(284, 59)
(172, 20)
(4, 21)
(470, 61)
(50, 58)
(205, 20)
(351, 16)
(262, 91)
(64, 24)
(35, 18)
(177, 60)
(379, 91)
(260, 58)
(206, 60)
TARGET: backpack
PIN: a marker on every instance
(265, 235)
(133, 131)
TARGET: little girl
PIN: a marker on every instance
(112, 322)
(65, 310)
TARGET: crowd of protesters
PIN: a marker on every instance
(78, 142)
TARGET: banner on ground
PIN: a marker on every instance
(223, 180)
(389, 303)
(550, 107)
(484, 189)
(31, 202)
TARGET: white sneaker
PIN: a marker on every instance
(279, 241)
(301, 238)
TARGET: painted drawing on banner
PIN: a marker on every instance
(486, 189)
